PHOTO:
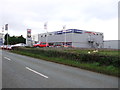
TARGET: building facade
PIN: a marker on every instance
(112, 44)
(73, 37)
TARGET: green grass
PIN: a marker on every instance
(85, 51)
(101, 52)
(109, 70)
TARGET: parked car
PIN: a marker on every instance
(19, 45)
(1, 46)
(41, 44)
(68, 45)
(9, 47)
(57, 44)
(6, 47)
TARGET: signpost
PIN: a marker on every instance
(29, 39)
(45, 27)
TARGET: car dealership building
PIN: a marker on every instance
(73, 37)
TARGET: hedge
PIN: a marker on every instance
(103, 60)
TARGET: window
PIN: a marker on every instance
(43, 43)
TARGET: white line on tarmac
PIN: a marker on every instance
(7, 58)
(36, 72)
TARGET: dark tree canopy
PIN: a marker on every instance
(5, 37)
(14, 39)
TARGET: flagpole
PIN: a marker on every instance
(46, 37)
(45, 27)
(65, 34)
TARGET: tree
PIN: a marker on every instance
(6, 35)
(21, 39)
(14, 40)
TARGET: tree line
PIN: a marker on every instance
(14, 39)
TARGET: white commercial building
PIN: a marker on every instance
(73, 37)
(35, 38)
(112, 44)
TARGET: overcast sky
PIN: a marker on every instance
(91, 15)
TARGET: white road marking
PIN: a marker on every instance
(7, 58)
(36, 72)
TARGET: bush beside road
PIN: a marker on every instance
(103, 61)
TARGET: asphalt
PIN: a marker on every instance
(25, 72)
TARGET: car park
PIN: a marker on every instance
(10, 47)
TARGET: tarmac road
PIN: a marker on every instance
(25, 72)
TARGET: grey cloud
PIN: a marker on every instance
(16, 12)
(102, 11)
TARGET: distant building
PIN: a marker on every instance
(112, 44)
(35, 38)
(73, 37)
(1, 39)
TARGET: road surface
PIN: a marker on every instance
(25, 72)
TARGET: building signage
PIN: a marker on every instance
(67, 31)
(29, 38)
(78, 31)
(58, 32)
(28, 33)
(90, 32)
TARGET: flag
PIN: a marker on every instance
(3, 29)
(28, 33)
(45, 25)
(6, 26)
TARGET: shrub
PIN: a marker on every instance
(105, 60)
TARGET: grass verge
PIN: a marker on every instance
(109, 70)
